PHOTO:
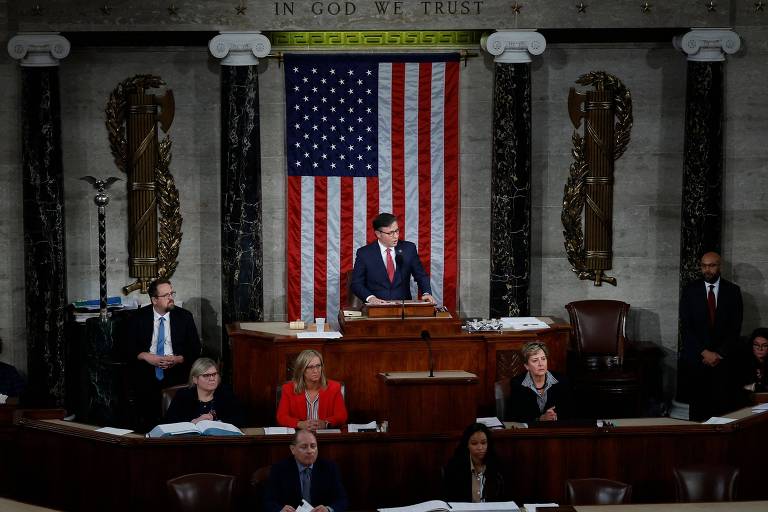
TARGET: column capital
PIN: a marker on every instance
(239, 48)
(708, 44)
(514, 46)
(38, 49)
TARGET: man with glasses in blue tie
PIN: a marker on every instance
(164, 343)
(383, 268)
(304, 476)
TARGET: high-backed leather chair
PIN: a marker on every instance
(353, 301)
(607, 386)
(706, 482)
(202, 492)
(168, 394)
(597, 491)
(258, 482)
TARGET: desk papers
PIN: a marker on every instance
(523, 323)
(202, 428)
(362, 427)
(271, 431)
(491, 422)
(717, 420)
(114, 431)
(455, 506)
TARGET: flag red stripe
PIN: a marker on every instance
(398, 142)
(321, 236)
(451, 180)
(346, 244)
(425, 163)
(293, 244)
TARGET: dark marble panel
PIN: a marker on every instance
(44, 250)
(511, 191)
(701, 216)
(241, 216)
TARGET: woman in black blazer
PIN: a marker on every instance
(538, 394)
(474, 473)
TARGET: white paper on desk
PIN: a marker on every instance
(490, 422)
(3, 398)
(357, 427)
(496, 506)
(271, 431)
(328, 335)
(522, 323)
(304, 507)
(114, 431)
(717, 420)
(760, 407)
(328, 431)
(532, 507)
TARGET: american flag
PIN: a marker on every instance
(367, 134)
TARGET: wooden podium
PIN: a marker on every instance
(416, 402)
(448, 324)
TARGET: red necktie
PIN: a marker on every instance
(390, 266)
(711, 305)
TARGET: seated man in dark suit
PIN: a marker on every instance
(304, 476)
(161, 342)
(11, 383)
(383, 268)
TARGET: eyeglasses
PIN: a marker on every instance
(167, 295)
(314, 367)
(760, 346)
(394, 232)
(209, 376)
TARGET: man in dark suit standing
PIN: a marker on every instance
(162, 343)
(383, 268)
(710, 321)
(304, 477)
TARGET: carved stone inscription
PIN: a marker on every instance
(381, 8)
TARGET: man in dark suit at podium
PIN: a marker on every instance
(162, 344)
(710, 323)
(383, 268)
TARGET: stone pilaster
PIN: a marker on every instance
(241, 206)
(701, 212)
(511, 170)
(43, 200)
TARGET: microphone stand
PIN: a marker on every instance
(428, 340)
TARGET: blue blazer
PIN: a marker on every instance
(369, 276)
(284, 487)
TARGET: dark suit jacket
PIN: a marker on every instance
(523, 406)
(369, 276)
(184, 338)
(186, 407)
(284, 487)
(457, 482)
(694, 323)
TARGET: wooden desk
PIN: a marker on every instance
(262, 354)
(69, 466)
(733, 506)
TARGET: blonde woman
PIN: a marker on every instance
(311, 401)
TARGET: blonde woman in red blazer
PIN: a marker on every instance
(310, 401)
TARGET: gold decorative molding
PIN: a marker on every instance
(433, 39)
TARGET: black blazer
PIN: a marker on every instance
(694, 321)
(369, 275)
(284, 488)
(137, 337)
(457, 482)
(523, 406)
(186, 407)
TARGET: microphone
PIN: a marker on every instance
(428, 340)
(399, 262)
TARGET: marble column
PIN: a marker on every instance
(43, 200)
(702, 195)
(511, 170)
(241, 206)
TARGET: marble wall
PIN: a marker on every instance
(647, 189)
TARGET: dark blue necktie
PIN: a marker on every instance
(306, 483)
(160, 346)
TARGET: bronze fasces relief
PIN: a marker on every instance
(154, 229)
(607, 114)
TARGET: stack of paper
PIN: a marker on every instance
(271, 431)
(362, 427)
(490, 422)
(717, 420)
(760, 407)
(523, 323)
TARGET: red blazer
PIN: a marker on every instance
(293, 406)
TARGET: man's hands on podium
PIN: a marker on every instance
(427, 297)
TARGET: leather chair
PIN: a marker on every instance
(258, 482)
(706, 482)
(167, 396)
(353, 301)
(604, 383)
(597, 491)
(202, 492)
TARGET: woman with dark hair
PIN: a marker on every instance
(205, 398)
(756, 367)
(474, 473)
(311, 401)
(537, 394)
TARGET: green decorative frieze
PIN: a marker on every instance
(370, 39)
